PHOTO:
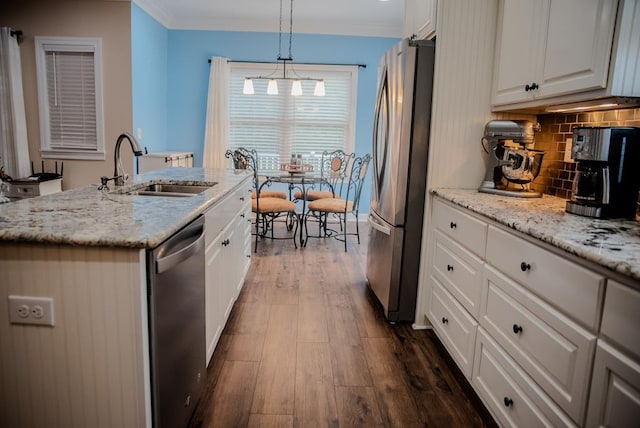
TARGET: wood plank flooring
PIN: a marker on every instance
(306, 346)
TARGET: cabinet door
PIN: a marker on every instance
(615, 390)
(578, 46)
(522, 26)
(215, 280)
(420, 18)
(454, 326)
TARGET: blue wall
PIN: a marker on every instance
(186, 55)
(149, 49)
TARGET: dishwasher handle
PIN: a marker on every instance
(167, 262)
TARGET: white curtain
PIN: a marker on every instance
(14, 147)
(216, 134)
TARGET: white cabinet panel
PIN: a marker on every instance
(549, 48)
(420, 18)
(553, 350)
(511, 396)
(615, 389)
(575, 290)
(621, 316)
(459, 271)
(466, 229)
(454, 326)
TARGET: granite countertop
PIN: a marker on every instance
(87, 216)
(614, 244)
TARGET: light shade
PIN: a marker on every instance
(319, 89)
(248, 87)
(272, 88)
(296, 88)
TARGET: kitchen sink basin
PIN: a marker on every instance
(176, 190)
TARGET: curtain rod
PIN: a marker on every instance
(297, 63)
(17, 34)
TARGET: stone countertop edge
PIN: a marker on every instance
(613, 244)
(88, 217)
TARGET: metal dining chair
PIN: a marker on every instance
(266, 208)
(333, 169)
(321, 209)
(239, 160)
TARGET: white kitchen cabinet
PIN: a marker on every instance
(420, 19)
(545, 340)
(455, 280)
(615, 389)
(511, 396)
(550, 48)
(554, 351)
(454, 326)
(227, 257)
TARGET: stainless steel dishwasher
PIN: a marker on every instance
(176, 324)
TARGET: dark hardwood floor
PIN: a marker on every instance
(305, 345)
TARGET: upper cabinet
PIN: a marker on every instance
(556, 51)
(420, 19)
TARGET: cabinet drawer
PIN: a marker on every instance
(574, 289)
(555, 351)
(459, 271)
(621, 316)
(454, 326)
(467, 230)
(223, 212)
(511, 396)
(615, 390)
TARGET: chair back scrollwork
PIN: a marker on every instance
(333, 168)
(357, 175)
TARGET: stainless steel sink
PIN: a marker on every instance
(175, 190)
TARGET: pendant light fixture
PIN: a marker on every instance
(293, 77)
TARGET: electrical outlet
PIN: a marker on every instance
(567, 150)
(139, 133)
(31, 310)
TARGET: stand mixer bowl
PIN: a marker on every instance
(521, 166)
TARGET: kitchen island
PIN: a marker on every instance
(86, 249)
(537, 307)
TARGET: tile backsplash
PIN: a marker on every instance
(556, 176)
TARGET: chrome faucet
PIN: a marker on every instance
(119, 176)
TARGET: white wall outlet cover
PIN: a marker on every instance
(567, 150)
(31, 310)
(139, 133)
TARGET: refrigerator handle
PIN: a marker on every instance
(379, 227)
(380, 164)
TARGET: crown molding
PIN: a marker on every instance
(301, 26)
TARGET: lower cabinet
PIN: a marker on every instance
(543, 340)
(228, 255)
(615, 389)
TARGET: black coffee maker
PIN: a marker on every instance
(607, 177)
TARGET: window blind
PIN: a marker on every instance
(71, 100)
(277, 126)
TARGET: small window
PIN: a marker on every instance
(69, 71)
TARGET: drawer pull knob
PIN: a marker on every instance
(452, 225)
(517, 329)
(242, 198)
(242, 215)
(445, 320)
(449, 268)
(524, 266)
(225, 242)
(508, 402)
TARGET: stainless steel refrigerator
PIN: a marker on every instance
(400, 151)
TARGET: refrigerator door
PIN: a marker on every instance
(383, 274)
(392, 132)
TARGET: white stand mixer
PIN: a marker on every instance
(511, 170)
